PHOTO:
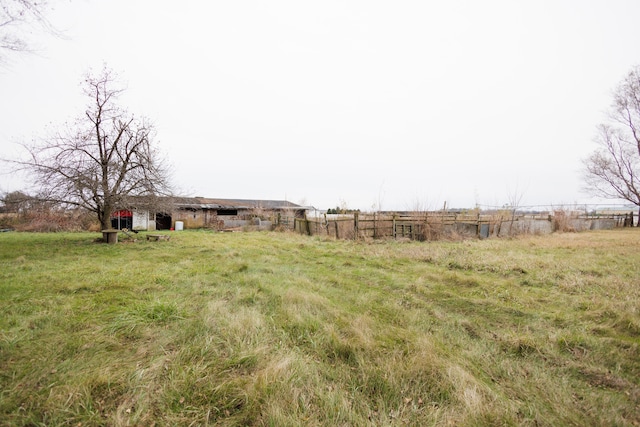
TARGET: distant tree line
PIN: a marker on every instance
(23, 212)
(339, 210)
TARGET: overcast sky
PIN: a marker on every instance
(369, 104)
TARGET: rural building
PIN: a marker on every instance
(629, 214)
(216, 214)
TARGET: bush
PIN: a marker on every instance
(52, 221)
(562, 221)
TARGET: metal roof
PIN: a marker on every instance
(209, 203)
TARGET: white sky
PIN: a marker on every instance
(397, 105)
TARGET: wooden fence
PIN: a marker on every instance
(437, 225)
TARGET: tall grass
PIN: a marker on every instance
(284, 330)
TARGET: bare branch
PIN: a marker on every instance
(18, 18)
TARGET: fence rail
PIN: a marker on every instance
(437, 225)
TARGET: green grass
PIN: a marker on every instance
(277, 329)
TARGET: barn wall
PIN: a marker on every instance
(141, 221)
(200, 218)
(191, 219)
(209, 219)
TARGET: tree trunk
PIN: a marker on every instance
(105, 218)
(105, 223)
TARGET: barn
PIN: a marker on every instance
(209, 213)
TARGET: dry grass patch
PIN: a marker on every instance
(278, 329)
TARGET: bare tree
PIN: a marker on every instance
(613, 170)
(16, 202)
(103, 161)
(18, 19)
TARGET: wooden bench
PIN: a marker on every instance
(157, 237)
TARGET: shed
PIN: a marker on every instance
(218, 214)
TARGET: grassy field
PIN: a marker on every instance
(284, 330)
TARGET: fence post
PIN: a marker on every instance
(393, 232)
(326, 223)
(306, 220)
(375, 230)
(355, 225)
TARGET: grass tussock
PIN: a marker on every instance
(275, 329)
